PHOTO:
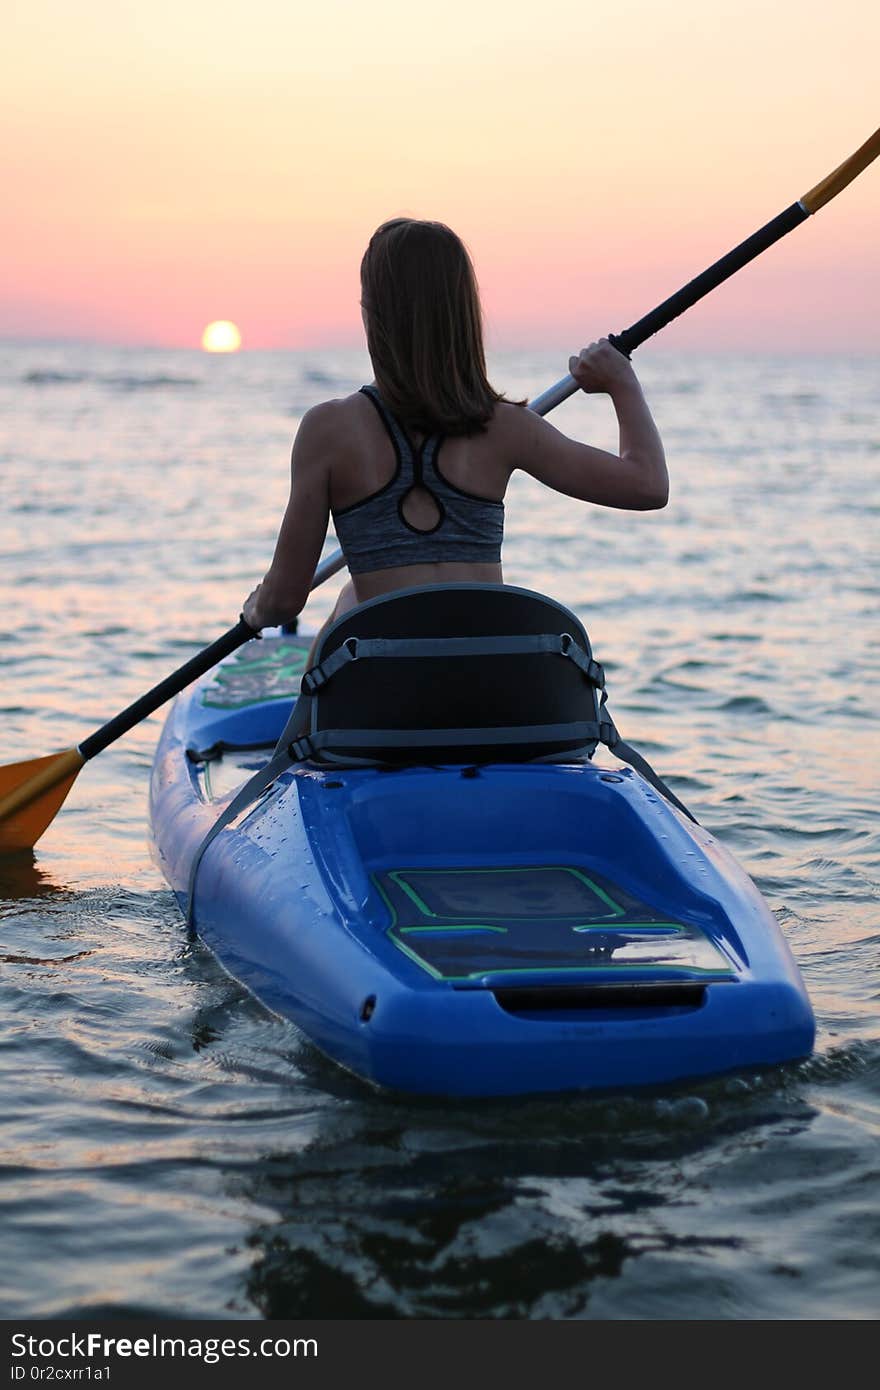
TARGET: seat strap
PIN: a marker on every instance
(587, 732)
(216, 750)
(584, 731)
(361, 648)
(627, 754)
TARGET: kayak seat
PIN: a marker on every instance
(452, 673)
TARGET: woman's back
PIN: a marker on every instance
(409, 507)
(367, 461)
(414, 468)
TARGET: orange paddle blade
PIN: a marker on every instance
(31, 794)
(844, 174)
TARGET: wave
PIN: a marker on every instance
(783, 397)
(147, 383)
(316, 377)
(44, 378)
(160, 381)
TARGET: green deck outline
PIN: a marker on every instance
(659, 974)
(417, 960)
(654, 973)
(396, 875)
(650, 928)
(286, 664)
(274, 661)
(454, 927)
(377, 883)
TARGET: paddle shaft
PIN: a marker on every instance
(696, 289)
(633, 337)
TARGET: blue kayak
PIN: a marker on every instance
(479, 925)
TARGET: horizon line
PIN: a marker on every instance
(691, 350)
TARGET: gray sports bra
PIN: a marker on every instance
(374, 534)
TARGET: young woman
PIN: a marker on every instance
(413, 468)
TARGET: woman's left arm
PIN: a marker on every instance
(287, 583)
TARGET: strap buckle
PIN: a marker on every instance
(608, 733)
(594, 673)
(319, 675)
(312, 681)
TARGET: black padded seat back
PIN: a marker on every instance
(392, 682)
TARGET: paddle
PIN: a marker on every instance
(32, 792)
(631, 338)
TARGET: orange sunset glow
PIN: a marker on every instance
(160, 161)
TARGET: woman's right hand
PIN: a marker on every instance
(600, 367)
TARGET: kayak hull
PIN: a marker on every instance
(492, 931)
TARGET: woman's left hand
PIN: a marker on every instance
(251, 609)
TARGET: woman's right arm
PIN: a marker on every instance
(635, 479)
(282, 593)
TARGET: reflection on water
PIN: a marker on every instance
(167, 1146)
(22, 876)
(533, 1211)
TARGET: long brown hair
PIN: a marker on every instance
(425, 327)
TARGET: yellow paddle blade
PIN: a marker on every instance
(31, 794)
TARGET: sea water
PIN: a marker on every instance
(168, 1147)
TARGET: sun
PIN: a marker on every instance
(221, 336)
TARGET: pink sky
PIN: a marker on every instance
(170, 164)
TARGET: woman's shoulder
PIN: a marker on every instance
(335, 411)
(331, 419)
(509, 415)
(510, 424)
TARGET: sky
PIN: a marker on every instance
(171, 163)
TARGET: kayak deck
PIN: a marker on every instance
(464, 925)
